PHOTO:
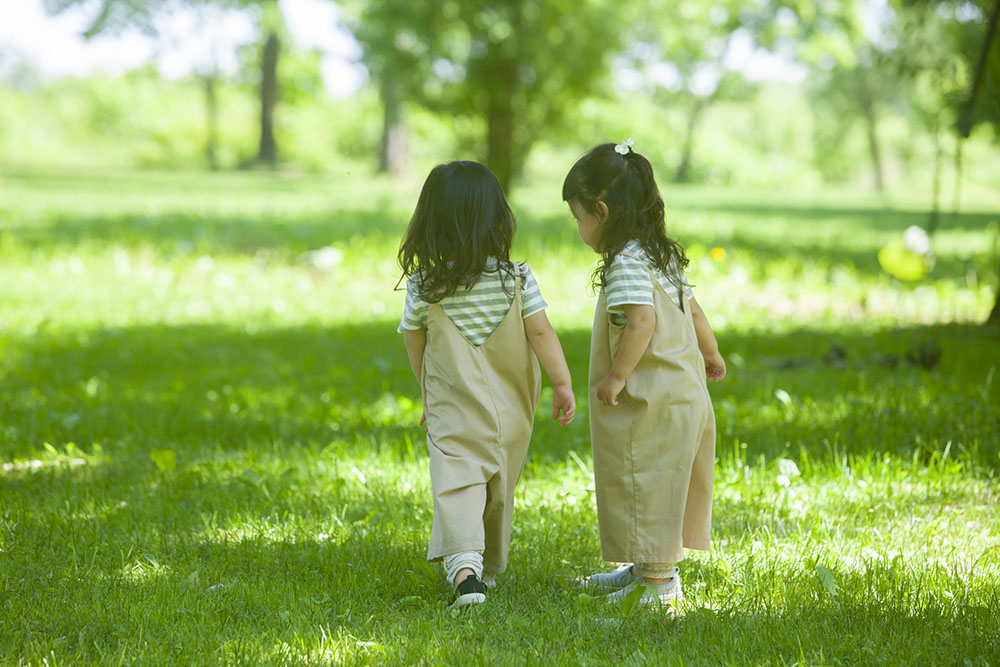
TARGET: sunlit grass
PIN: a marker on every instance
(210, 449)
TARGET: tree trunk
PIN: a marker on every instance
(500, 123)
(392, 153)
(932, 222)
(683, 174)
(994, 318)
(211, 121)
(871, 123)
(965, 122)
(965, 118)
(268, 153)
(873, 148)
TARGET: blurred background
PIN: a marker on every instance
(872, 93)
(847, 132)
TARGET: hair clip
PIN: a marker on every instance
(625, 147)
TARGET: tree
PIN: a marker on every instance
(271, 22)
(681, 49)
(117, 15)
(987, 68)
(851, 51)
(518, 64)
(396, 41)
(969, 32)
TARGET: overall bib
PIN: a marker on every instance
(480, 407)
(654, 453)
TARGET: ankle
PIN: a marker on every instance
(462, 575)
(656, 574)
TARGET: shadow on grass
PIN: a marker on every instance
(884, 219)
(809, 394)
(131, 550)
(91, 574)
(198, 231)
(153, 570)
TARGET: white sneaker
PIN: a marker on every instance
(489, 580)
(654, 594)
(469, 592)
(605, 582)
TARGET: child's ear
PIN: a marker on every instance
(602, 211)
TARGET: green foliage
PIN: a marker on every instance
(144, 120)
(942, 42)
(894, 88)
(153, 318)
(519, 65)
(165, 459)
(139, 119)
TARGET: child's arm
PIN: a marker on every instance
(415, 342)
(715, 365)
(544, 341)
(635, 340)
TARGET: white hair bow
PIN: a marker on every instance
(624, 147)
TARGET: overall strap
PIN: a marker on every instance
(656, 283)
(517, 281)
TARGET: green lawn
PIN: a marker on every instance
(210, 450)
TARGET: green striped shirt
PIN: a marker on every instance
(478, 311)
(627, 281)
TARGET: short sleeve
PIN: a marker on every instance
(531, 297)
(627, 281)
(414, 311)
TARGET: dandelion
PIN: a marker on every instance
(718, 254)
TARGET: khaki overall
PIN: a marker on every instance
(654, 453)
(480, 406)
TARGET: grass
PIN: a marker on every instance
(210, 451)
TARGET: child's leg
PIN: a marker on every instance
(459, 499)
(460, 565)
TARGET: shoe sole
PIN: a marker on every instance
(594, 587)
(652, 601)
(468, 599)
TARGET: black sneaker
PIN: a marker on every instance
(470, 591)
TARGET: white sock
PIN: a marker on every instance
(654, 570)
(472, 560)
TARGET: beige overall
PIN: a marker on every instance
(654, 453)
(480, 406)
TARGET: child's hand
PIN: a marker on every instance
(423, 420)
(563, 401)
(715, 367)
(608, 390)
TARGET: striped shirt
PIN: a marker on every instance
(478, 311)
(627, 281)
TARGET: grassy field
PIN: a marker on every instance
(210, 450)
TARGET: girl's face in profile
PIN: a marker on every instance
(588, 224)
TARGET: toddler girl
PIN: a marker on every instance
(651, 421)
(475, 329)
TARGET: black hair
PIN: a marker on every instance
(626, 185)
(462, 220)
